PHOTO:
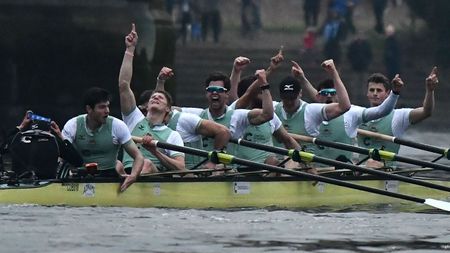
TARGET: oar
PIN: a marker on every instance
(228, 159)
(372, 153)
(438, 150)
(299, 156)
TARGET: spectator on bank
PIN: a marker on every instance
(392, 55)
(378, 9)
(186, 19)
(250, 16)
(210, 17)
(311, 10)
(332, 33)
(359, 53)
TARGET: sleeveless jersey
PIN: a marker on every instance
(159, 132)
(96, 147)
(383, 126)
(333, 131)
(190, 160)
(294, 124)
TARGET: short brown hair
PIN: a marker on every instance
(379, 78)
(166, 95)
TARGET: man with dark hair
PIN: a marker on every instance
(217, 93)
(98, 136)
(395, 123)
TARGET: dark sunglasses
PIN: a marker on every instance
(326, 92)
(218, 89)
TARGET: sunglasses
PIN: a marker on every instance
(326, 92)
(218, 89)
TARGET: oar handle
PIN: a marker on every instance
(136, 139)
(383, 137)
(302, 138)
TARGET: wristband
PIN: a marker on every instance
(129, 53)
(265, 87)
(395, 92)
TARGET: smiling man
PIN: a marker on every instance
(98, 136)
(395, 123)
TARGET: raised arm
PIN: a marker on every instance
(127, 99)
(275, 62)
(427, 108)
(334, 110)
(258, 116)
(238, 65)
(307, 87)
(246, 99)
(164, 74)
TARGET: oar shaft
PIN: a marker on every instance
(293, 173)
(422, 146)
(345, 165)
(366, 151)
(426, 147)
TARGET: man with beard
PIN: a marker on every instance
(217, 92)
(98, 137)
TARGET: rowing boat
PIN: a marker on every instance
(294, 190)
(218, 192)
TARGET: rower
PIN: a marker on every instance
(395, 123)
(217, 90)
(343, 129)
(299, 117)
(98, 136)
(248, 89)
(189, 126)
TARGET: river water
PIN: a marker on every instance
(30, 228)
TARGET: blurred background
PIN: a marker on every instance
(51, 51)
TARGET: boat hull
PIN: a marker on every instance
(202, 194)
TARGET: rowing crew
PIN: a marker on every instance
(253, 116)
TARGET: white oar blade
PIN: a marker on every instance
(443, 205)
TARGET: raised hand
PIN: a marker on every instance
(262, 77)
(132, 38)
(397, 83)
(55, 128)
(297, 71)
(432, 80)
(165, 73)
(275, 61)
(240, 63)
(26, 121)
(329, 66)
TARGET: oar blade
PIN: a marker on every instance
(443, 205)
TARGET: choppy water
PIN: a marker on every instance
(64, 229)
(28, 228)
